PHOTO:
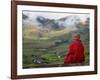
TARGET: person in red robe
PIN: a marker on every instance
(76, 51)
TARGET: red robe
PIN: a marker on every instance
(76, 53)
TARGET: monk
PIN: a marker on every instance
(76, 51)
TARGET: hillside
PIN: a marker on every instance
(45, 45)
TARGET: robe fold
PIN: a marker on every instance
(75, 53)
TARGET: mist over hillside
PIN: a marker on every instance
(54, 24)
(43, 25)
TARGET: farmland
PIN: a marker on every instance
(50, 47)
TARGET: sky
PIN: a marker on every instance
(52, 15)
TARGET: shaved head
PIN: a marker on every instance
(76, 36)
